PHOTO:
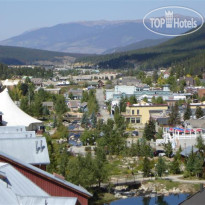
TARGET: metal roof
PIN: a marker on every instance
(187, 151)
(25, 200)
(27, 134)
(42, 172)
(18, 183)
(12, 129)
(7, 196)
(195, 199)
(30, 150)
(18, 189)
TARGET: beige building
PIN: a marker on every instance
(140, 113)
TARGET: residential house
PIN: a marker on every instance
(74, 105)
(100, 84)
(76, 93)
(189, 81)
(49, 105)
(37, 81)
(166, 74)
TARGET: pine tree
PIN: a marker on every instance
(93, 120)
(175, 166)
(199, 112)
(100, 171)
(168, 149)
(160, 167)
(198, 165)
(188, 112)
(190, 163)
(149, 130)
(174, 118)
(146, 167)
(84, 120)
(200, 144)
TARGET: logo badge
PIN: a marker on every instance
(173, 21)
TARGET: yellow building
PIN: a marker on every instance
(195, 105)
(140, 113)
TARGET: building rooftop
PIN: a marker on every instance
(19, 190)
(30, 150)
(45, 174)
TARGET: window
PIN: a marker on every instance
(138, 112)
(137, 120)
(128, 120)
(133, 112)
(132, 120)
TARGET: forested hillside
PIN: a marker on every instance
(18, 56)
(185, 52)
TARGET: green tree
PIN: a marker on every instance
(89, 136)
(24, 104)
(71, 96)
(168, 149)
(159, 134)
(93, 119)
(198, 165)
(200, 144)
(190, 163)
(175, 166)
(160, 167)
(37, 107)
(85, 96)
(149, 130)
(101, 172)
(145, 99)
(155, 76)
(132, 100)
(174, 118)
(199, 112)
(80, 170)
(84, 120)
(188, 112)
(64, 159)
(60, 105)
(146, 167)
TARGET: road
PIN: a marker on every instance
(101, 102)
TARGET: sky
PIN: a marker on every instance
(17, 16)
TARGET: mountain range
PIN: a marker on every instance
(91, 37)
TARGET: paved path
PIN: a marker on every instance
(138, 179)
(101, 102)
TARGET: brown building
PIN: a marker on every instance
(201, 92)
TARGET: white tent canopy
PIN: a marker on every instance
(13, 115)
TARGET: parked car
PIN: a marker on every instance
(159, 153)
(135, 133)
